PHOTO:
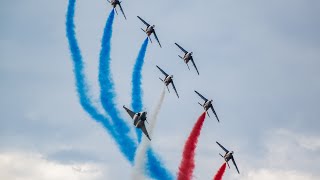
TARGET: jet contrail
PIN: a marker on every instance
(107, 94)
(187, 163)
(140, 157)
(220, 172)
(136, 94)
(81, 82)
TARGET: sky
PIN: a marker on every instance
(258, 61)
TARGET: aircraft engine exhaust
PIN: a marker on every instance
(140, 157)
(126, 144)
(107, 91)
(220, 172)
(187, 163)
(82, 87)
(136, 93)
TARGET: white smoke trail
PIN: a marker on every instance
(140, 157)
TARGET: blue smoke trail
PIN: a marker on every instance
(107, 94)
(82, 90)
(82, 87)
(155, 168)
(136, 94)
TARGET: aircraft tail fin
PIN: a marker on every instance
(228, 164)
(161, 79)
(150, 39)
(143, 30)
(221, 155)
(208, 113)
(168, 89)
(188, 66)
(115, 10)
(180, 56)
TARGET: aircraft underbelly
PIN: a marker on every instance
(136, 123)
(228, 157)
(167, 83)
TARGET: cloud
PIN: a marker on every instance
(33, 166)
(308, 142)
(287, 155)
(267, 174)
(291, 149)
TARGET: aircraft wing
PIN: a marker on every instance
(131, 113)
(234, 162)
(174, 88)
(181, 48)
(122, 11)
(144, 130)
(144, 21)
(162, 71)
(155, 35)
(205, 99)
(194, 65)
(214, 112)
(222, 147)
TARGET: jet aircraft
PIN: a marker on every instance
(138, 120)
(167, 80)
(207, 105)
(114, 4)
(228, 155)
(149, 30)
(187, 57)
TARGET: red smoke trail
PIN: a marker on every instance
(220, 172)
(187, 163)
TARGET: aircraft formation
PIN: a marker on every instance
(139, 118)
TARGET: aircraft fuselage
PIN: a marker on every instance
(138, 118)
(114, 3)
(167, 80)
(207, 105)
(187, 57)
(149, 30)
(228, 156)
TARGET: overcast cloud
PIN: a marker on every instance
(258, 61)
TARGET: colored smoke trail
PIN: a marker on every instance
(86, 103)
(81, 84)
(107, 94)
(187, 163)
(140, 158)
(220, 172)
(153, 169)
(154, 166)
(136, 94)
